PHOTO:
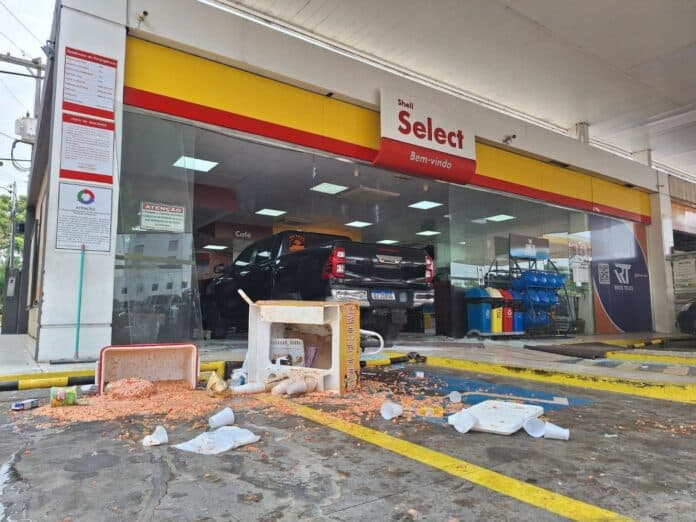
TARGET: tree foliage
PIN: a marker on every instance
(6, 226)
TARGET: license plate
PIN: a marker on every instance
(383, 295)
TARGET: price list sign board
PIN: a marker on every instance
(89, 85)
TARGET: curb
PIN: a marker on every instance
(651, 358)
(31, 381)
(684, 393)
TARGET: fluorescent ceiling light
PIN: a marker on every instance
(270, 212)
(425, 205)
(215, 247)
(387, 242)
(500, 217)
(428, 233)
(329, 188)
(480, 221)
(358, 224)
(191, 163)
(462, 242)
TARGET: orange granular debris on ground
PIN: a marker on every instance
(174, 399)
(130, 388)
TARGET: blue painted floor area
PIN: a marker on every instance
(474, 392)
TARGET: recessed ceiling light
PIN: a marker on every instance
(387, 241)
(462, 242)
(270, 212)
(215, 247)
(500, 217)
(428, 233)
(329, 188)
(191, 163)
(425, 205)
(480, 221)
(358, 224)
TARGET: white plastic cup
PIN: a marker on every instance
(551, 431)
(250, 387)
(419, 375)
(159, 436)
(462, 421)
(224, 417)
(455, 397)
(534, 427)
(391, 410)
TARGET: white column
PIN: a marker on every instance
(660, 243)
(99, 28)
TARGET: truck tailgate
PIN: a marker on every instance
(383, 266)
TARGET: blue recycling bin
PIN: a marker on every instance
(517, 311)
(478, 310)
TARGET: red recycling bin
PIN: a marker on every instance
(507, 311)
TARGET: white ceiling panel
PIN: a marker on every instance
(621, 65)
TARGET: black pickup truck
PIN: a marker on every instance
(386, 280)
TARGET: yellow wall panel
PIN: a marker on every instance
(161, 70)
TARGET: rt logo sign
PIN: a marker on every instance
(622, 272)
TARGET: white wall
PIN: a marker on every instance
(104, 35)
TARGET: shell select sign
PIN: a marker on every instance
(419, 139)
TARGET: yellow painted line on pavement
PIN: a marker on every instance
(656, 358)
(529, 494)
(685, 393)
(46, 375)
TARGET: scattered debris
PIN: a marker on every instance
(610, 435)
(540, 428)
(249, 388)
(130, 388)
(391, 410)
(462, 421)
(174, 399)
(89, 389)
(419, 375)
(455, 397)
(224, 417)
(502, 417)
(219, 440)
(25, 405)
(63, 396)
(216, 386)
(159, 436)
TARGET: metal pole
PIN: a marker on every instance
(79, 302)
(13, 219)
(37, 88)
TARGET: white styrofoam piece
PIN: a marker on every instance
(501, 417)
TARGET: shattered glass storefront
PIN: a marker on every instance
(193, 199)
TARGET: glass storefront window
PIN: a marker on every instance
(192, 200)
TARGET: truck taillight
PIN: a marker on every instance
(429, 269)
(336, 264)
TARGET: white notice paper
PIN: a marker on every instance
(90, 83)
(87, 149)
(84, 218)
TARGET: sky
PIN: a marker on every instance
(17, 92)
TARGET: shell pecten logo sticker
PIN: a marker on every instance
(86, 197)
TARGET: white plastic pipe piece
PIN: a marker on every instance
(224, 417)
(370, 333)
(249, 388)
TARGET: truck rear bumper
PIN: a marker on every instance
(403, 298)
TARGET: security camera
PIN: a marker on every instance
(507, 139)
(142, 15)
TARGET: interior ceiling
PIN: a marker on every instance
(627, 67)
(263, 176)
